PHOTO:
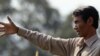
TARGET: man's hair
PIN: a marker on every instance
(87, 11)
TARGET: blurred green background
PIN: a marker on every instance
(36, 15)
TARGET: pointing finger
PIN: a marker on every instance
(10, 20)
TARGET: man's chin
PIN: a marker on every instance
(80, 35)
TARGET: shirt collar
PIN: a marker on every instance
(89, 42)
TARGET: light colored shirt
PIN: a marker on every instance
(62, 47)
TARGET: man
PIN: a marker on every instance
(85, 21)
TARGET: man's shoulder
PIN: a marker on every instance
(98, 42)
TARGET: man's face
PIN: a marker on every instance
(80, 26)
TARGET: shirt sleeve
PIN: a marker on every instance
(62, 47)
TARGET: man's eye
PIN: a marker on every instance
(76, 22)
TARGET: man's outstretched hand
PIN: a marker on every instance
(9, 28)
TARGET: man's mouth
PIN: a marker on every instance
(76, 30)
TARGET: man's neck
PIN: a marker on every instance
(90, 34)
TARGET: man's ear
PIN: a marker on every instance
(90, 21)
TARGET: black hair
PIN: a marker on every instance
(88, 11)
